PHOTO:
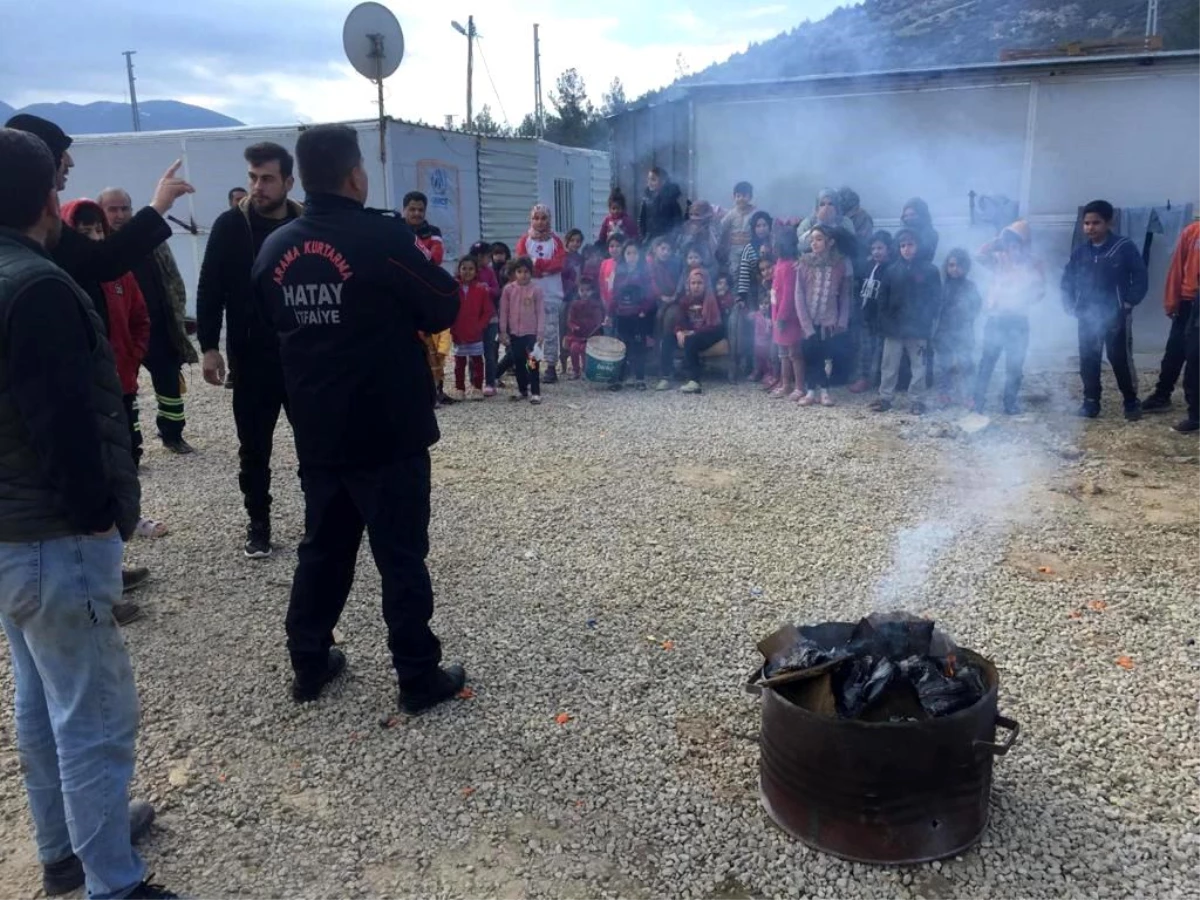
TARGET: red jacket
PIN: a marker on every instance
(623, 223)
(584, 317)
(429, 239)
(128, 318)
(475, 311)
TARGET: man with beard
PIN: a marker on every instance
(224, 290)
(157, 275)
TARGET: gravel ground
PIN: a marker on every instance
(564, 538)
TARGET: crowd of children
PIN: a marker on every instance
(791, 305)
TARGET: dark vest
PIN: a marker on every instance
(31, 509)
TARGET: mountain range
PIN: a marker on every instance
(110, 118)
(880, 35)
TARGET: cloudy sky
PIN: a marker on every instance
(281, 61)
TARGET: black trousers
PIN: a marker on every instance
(1008, 335)
(816, 350)
(258, 397)
(135, 427)
(164, 375)
(694, 345)
(1175, 354)
(392, 503)
(633, 331)
(1191, 371)
(529, 378)
(1101, 333)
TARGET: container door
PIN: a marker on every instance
(508, 172)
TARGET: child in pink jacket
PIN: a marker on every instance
(523, 328)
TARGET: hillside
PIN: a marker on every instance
(107, 118)
(911, 34)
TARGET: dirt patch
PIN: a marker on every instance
(720, 753)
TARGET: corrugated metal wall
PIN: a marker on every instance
(657, 135)
(508, 184)
(598, 193)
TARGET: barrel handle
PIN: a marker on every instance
(1000, 749)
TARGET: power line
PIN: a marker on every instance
(488, 72)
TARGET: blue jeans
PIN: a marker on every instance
(76, 702)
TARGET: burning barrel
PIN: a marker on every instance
(893, 784)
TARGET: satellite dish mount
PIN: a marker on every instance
(374, 45)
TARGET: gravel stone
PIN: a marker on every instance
(562, 538)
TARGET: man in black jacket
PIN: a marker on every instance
(70, 497)
(348, 289)
(91, 263)
(225, 290)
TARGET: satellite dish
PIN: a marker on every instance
(373, 41)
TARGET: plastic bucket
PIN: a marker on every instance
(604, 358)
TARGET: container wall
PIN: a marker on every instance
(443, 165)
(565, 176)
(508, 187)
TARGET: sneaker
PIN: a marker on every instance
(575, 376)
(258, 540)
(826, 400)
(179, 447)
(663, 385)
(880, 405)
(778, 392)
(456, 395)
(918, 408)
(809, 398)
(535, 399)
(1187, 426)
(550, 376)
(860, 387)
(66, 875)
(125, 613)
(1089, 409)
(1156, 403)
(445, 399)
(616, 386)
(421, 693)
(517, 398)
(489, 391)
(692, 387)
(1133, 410)
(1013, 408)
(309, 689)
(132, 579)
(640, 385)
(148, 891)
(769, 383)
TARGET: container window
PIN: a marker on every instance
(564, 204)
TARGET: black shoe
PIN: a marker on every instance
(132, 579)
(616, 386)
(229, 380)
(419, 694)
(1187, 426)
(444, 399)
(179, 447)
(1012, 408)
(550, 377)
(125, 613)
(307, 690)
(258, 540)
(1156, 403)
(880, 405)
(1089, 409)
(66, 875)
(1133, 410)
(641, 385)
(148, 891)
(918, 408)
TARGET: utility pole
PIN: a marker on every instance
(470, 34)
(539, 114)
(137, 120)
(1151, 18)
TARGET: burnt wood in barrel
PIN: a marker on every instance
(880, 792)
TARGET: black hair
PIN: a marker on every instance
(234, 190)
(962, 257)
(501, 247)
(744, 187)
(466, 259)
(660, 172)
(574, 232)
(479, 248)
(907, 233)
(522, 262)
(615, 235)
(1102, 208)
(617, 198)
(262, 153)
(27, 176)
(881, 237)
(88, 214)
(588, 280)
(327, 155)
(787, 243)
(415, 195)
(760, 216)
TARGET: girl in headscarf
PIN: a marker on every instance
(828, 212)
(549, 254)
(700, 228)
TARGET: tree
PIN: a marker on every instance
(574, 124)
(528, 127)
(614, 98)
(485, 123)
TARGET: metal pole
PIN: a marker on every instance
(538, 112)
(470, 68)
(137, 119)
(1151, 18)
